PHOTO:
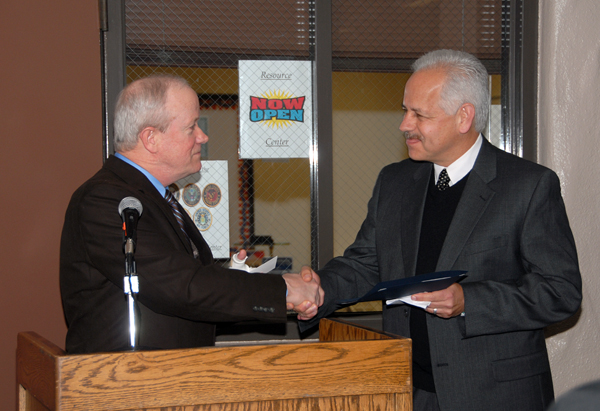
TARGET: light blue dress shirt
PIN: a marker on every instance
(161, 189)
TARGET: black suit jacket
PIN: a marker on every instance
(180, 298)
(511, 234)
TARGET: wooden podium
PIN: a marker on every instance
(349, 368)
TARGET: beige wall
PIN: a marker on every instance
(569, 143)
(377, 142)
(51, 116)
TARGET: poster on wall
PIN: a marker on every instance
(205, 197)
(275, 99)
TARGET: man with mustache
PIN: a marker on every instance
(183, 293)
(460, 203)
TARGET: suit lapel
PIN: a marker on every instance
(412, 205)
(473, 202)
(135, 178)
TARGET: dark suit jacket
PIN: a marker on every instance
(180, 298)
(511, 233)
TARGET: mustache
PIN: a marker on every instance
(408, 135)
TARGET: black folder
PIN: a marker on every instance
(389, 290)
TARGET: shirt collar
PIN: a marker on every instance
(161, 189)
(461, 167)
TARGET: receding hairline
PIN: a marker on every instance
(446, 70)
(143, 103)
(165, 80)
(442, 80)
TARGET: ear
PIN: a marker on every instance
(149, 139)
(465, 117)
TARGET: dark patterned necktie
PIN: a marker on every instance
(179, 217)
(443, 181)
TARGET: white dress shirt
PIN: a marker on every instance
(461, 167)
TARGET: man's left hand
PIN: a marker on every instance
(445, 303)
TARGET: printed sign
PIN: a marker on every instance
(205, 197)
(275, 101)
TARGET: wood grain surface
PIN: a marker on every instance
(335, 375)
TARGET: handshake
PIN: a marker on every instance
(304, 293)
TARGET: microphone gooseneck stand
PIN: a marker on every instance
(130, 210)
(131, 286)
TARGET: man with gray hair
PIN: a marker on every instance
(459, 203)
(183, 293)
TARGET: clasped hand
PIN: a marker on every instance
(305, 294)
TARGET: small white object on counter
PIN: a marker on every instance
(238, 264)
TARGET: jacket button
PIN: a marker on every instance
(406, 312)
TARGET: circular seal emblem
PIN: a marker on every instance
(211, 195)
(174, 189)
(191, 195)
(203, 219)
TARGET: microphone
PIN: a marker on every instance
(130, 210)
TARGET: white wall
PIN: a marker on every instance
(569, 143)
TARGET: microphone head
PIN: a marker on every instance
(130, 202)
